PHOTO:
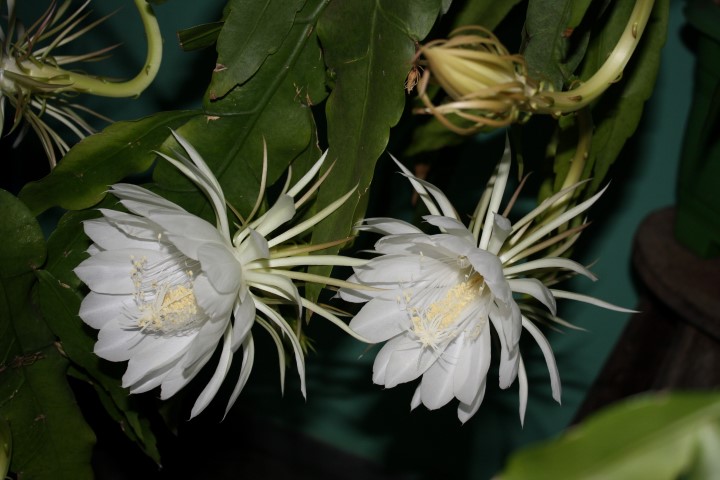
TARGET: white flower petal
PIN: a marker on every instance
(187, 232)
(153, 353)
(451, 226)
(220, 266)
(467, 410)
(416, 399)
(501, 230)
(98, 308)
(380, 319)
(388, 226)
(281, 212)
(110, 271)
(473, 366)
(254, 246)
(407, 363)
(437, 381)
(244, 313)
(536, 289)
(549, 358)
(115, 343)
(108, 237)
(247, 363)
(216, 380)
(140, 200)
(215, 304)
(522, 390)
(383, 357)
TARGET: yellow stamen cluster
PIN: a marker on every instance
(436, 324)
(165, 308)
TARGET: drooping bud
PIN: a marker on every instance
(487, 86)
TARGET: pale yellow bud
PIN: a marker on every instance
(488, 86)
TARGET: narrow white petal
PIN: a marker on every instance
(307, 178)
(216, 380)
(247, 364)
(388, 226)
(416, 399)
(273, 316)
(549, 227)
(312, 221)
(590, 300)
(523, 390)
(489, 266)
(253, 247)
(446, 208)
(536, 289)
(550, 262)
(549, 358)
(419, 188)
(244, 313)
(451, 226)
(499, 181)
(281, 212)
(140, 200)
(501, 230)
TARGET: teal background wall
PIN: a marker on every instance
(343, 407)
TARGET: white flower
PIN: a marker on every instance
(167, 286)
(442, 294)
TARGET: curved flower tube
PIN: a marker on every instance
(443, 294)
(167, 286)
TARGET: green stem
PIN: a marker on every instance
(78, 82)
(611, 70)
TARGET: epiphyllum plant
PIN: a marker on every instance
(443, 294)
(167, 286)
(35, 81)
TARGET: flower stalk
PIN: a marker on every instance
(36, 83)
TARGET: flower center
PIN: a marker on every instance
(164, 295)
(437, 323)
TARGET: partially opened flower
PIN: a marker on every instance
(167, 287)
(440, 296)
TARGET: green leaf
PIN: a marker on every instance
(199, 36)
(272, 106)
(60, 305)
(486, 13)
(253, 30)
(369, 48)
(50, 438)
(82, 177)
(655, 436)
(60, 302)
(5, 447)
(553, 50)
(617, 114)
